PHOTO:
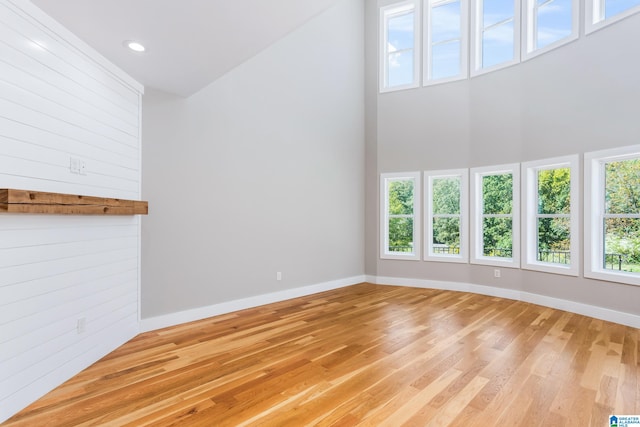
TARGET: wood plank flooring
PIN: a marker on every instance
(365, 355)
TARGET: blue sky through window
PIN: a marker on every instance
(445, 22)
(498, 32)
(445, 60)
(554, 21)
(614, 7)
(446, 34)
(494, 11)
(400, 45)
(497, 45)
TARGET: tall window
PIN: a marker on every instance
(400, 46)
(447, 214)
(612, 215)
(548, 24)
(446, 23)
(600, 13)
(550, 215)
(495, 216)
(400, 216)
(496, 35)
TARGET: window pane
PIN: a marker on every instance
(446, 195)
(554, 240)
(497, 238)
(494, 11)
(554, 191)
(400, 234)
(446, 235)
(497, 45)
(401, 197)
(445, 22)
(400, 71)
(400, 32)
(622, 244)
(622, 187)
(614, 7)
(554, 22)
(445, 60)
(497, 193)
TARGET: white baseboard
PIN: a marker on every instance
(596, 312)
(177, 318)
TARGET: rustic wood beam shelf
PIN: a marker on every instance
(25, 201)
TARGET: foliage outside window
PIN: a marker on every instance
(550, 216)
(447, 213)
(400, 46)
(400, 228)
(496, 216)
(613, 212)
(446, 23)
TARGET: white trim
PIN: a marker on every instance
(429, 176)
(172, 319)
(385, 178)
(529, 207)
(476, 253)
(384, 11)
(593, 205)
(596, 312)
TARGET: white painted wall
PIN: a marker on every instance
(260, 172)
(580, 97)
(59, 99)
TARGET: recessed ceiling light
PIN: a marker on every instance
(134, 46)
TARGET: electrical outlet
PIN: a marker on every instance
(83, 168)
(279, 275)
(496, 272)
(74, 165)
(81, 325)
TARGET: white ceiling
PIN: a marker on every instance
(190, 43)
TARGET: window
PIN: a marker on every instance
(612, 215)
(549, 24)
(550, 214)
(495, 214)
(446, 23)
(399, 46)
(400, 216)
(447, 213)
(496, 34)
(600, 13)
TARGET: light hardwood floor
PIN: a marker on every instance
(362, 355)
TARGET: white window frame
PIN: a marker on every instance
(477, 256)
(476, 39)
(429, 254)
(594, 15)
(464, 42)
(385, 179)
(530, 215)
(594, 213)
(530, 26)
(385, 13)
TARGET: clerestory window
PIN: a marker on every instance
(400, 46)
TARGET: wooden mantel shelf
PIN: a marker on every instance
(25, 201)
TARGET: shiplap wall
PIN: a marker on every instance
(58, 100)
